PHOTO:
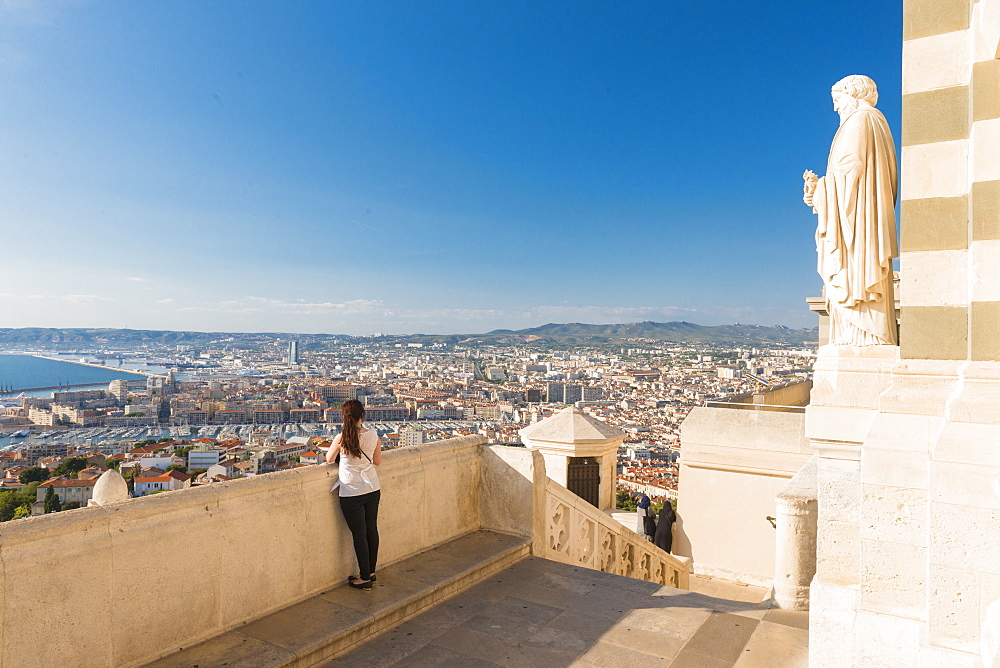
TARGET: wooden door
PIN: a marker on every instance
(583, 478)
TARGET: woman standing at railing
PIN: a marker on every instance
(360, 452)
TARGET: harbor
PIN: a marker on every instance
(36, 372)
(93, 365)
(119, 439)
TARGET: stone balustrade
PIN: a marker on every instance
(578, 533)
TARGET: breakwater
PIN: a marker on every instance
(91, 364)
(37, 374)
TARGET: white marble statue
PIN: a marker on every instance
(856, 230)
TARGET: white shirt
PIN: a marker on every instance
(357, 474)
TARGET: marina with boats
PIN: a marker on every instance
(118, 439)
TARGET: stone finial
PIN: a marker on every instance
(110, 488)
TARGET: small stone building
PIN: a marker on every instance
(580, 453)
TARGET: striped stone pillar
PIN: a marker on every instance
(950, 211)
(908, 570)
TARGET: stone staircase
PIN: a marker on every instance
(326, 625)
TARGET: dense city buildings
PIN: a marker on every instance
(222, 411)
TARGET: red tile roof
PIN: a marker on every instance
(63, 482)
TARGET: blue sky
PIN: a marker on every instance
(424, 166)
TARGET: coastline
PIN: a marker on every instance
(96, 366)
(78, 386)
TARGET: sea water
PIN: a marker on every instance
(19, 372)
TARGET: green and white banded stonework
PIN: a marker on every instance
(950, 210)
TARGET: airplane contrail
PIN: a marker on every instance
(368, 226)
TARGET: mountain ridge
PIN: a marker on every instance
(573, 333)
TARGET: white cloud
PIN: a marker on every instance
(352, 306)
(85, 299)
(302, 306)
(280, 307)
(168, 300)
(136, 278)
(211, 309)
(607, 314)
(73, 299)
(464, 314)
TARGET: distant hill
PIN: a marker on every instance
(552, 334)
(85, 337)
(577, 333)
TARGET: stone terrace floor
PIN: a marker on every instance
(547, 614)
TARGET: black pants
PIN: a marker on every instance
(361, 515)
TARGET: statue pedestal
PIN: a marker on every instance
(844, 404)
(908, 486)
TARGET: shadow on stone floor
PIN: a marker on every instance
(542, 613)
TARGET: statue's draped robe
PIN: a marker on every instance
(856, 232)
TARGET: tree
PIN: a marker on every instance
(113, 463)
(52, 502)
(183, 451)
(29, 494)
(34, 474)
(165, 439)
(69, 468)
(72, 505)
(9, 501)
(177, 467)
(625, 500)
(15, 504)
(138, 414)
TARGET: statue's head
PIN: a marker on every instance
(851, 92)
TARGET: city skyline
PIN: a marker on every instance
(433, 167)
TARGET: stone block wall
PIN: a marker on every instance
(734, 463)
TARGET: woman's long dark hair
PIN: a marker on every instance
(350, 438)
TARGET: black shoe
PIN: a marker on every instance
(352, 578)
(366, 586)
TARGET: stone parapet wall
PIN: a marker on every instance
(763, 442)
(125, 584)
(794, 393)
(733, 465)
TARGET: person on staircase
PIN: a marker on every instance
(664, 536)
(644, 512)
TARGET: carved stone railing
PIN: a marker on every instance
(578, 533)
